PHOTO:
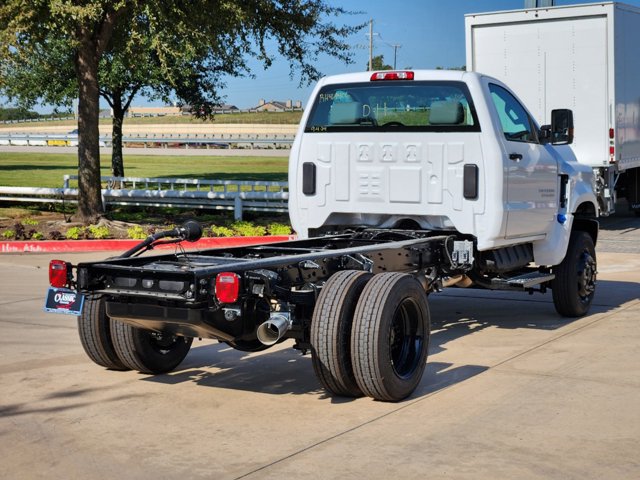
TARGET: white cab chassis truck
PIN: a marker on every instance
(582, 57)
(401, 183)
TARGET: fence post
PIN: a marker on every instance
(237, 207)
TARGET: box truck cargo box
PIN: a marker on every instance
(582, 57)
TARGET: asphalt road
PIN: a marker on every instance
(511, 391)
(620, 232)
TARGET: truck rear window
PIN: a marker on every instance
(411, 106)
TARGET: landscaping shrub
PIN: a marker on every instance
(136, 233)
(19, 231)
(221, 231)
(247, 229)
(75, 233)
(278, 229)
(98, 232)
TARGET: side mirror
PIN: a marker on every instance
(561, 127)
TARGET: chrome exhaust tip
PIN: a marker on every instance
(274, 329)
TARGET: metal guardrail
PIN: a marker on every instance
(236, 195)
(165, 140)
(36, 120)
(216, 111)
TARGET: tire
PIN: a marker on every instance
(575, 283)
(331, 332)
(390, 336)
(147, 351)
(94, 329)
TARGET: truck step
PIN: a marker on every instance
(528, 280)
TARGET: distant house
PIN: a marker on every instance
(225, 108)
(277, 106)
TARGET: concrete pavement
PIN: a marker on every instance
(511, 391)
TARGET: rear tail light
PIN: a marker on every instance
(59, 271)
(404, 75)
(612, 147)
(227, 287)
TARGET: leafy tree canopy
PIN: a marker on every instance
(377, 63)
(17, 114)
(57, 50)
(164, 49)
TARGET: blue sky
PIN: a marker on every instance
(431, 33)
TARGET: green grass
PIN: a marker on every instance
(19, 212)
(40, 170)
(288, 118)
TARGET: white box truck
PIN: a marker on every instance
(582, 57)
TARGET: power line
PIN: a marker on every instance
(371, 34)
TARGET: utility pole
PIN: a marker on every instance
(395, 53)
(371, 44)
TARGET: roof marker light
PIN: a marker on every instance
(387, 75)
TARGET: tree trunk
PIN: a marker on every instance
(117, 161)
(90, 207)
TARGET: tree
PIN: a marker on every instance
(377, 63)
(35, 27)
(17, 114)
(158, 48)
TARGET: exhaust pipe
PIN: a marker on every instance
(273, 329)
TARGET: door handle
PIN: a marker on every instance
(515, 156)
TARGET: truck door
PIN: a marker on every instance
(530, 170)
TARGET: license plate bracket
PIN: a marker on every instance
(64, 301)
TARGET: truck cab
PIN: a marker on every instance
(436, 150)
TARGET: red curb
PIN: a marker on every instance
(46, 246)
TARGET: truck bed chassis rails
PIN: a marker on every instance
(176, 293)
(186, 277)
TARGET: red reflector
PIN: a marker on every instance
(612, 151)
(392, 76)
(611, 133)
(58, 273)
(227, 287)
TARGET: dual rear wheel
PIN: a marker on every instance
(370, 335)
(118, 346)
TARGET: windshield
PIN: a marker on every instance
(394, 105)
